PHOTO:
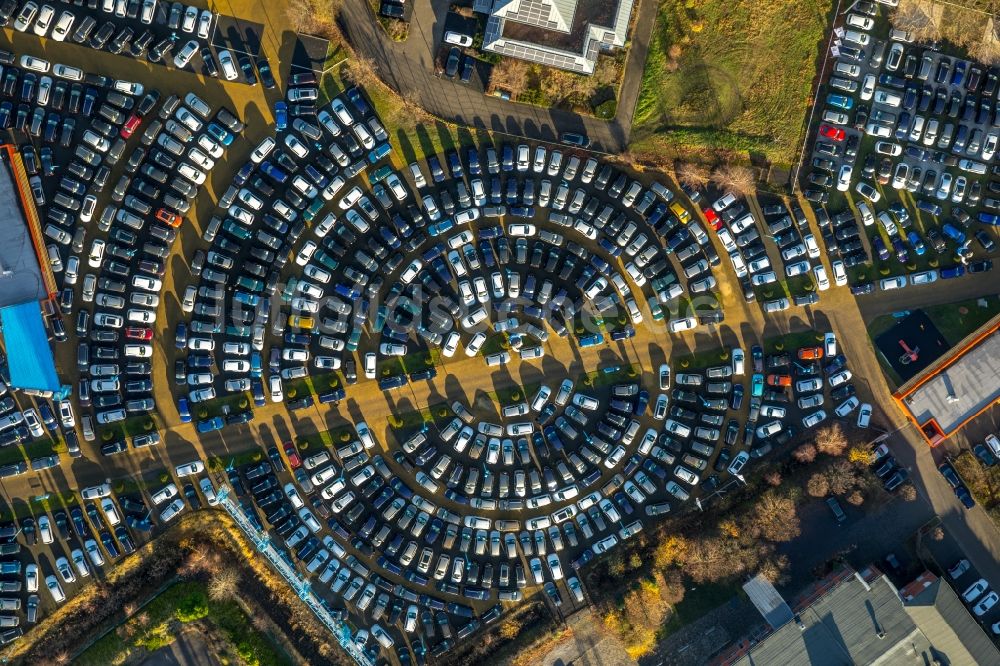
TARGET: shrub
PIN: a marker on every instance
(244, 403)
(606, 110)
(291, 393)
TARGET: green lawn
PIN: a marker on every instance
(158, 623)
(413, 134)
(697, 602)
(792, 341)
(732, 75)
(957, 320)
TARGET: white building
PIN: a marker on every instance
(567, 34)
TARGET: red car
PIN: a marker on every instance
(294, 461)
(713, 219)
(139, 333)
(810, 353)
(168, 217)
(779, 380)
(831, 132)
(130, 126)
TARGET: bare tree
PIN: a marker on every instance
(224, 583)
(912, 17)
(775, 518)
(362, 71)
(842, 476)
(908, 492)
(805, 453)
(855, 498)
(818, 485)
(831, 440)
(510, 74)
(693, 174)
(736, 179)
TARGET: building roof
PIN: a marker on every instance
(767, 601)
(960, 390)
(568, 34)
(948, 625)
(29, 356)
(20, 275)
(854, 622)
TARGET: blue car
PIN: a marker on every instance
(274, 173)
(840, 101)
(257, 389)
(952, 272)
(281, 115)
(916, 242)
(219, 133)
(184, 410)
(210, 424)
(393, 382)
(591, 340)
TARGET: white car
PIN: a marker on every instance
(44, 21)
(188, 469)
(822, 282)
(52, 583)
(839, 273)
(274, 386)
(846, 407)
(681, 325)
(813, 419)
(844, 178)
(457, 38)
(839, 378)
(61, 29)
(864, 415)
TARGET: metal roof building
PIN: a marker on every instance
(860, 618)
(956, 388)
(568, 34)
(25, 280)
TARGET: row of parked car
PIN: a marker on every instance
(935, 121)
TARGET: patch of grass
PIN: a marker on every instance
(136, 425)
(732, 75)
(701, 359)
(792, 341)
(37, 449)
(697, 602)
(413, 134)
(983, 483)
(957, 320)
(156, 627)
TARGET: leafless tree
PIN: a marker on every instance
(805, 453)
(693, 174)
(831, 440)
(736, 179)
(818, 486)
(510, 74)
(362, 71)
(224, 583)
(913, 17)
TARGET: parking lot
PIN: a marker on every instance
(310, 260)
(908, 135)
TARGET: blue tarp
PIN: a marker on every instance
(29, 356)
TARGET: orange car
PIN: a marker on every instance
(779, 380)
(168, 217)
(810, 353)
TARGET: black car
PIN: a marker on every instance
(266, 77)
(468, 66)
(451, 66)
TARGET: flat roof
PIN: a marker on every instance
(961, 389)
(20, 275)
(853, 623)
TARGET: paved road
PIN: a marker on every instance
(409, 68)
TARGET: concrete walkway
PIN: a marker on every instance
(409, 68)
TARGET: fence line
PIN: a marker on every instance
(301, 586)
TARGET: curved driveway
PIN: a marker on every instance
(408, 67)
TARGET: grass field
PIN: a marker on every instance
(730, 74)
